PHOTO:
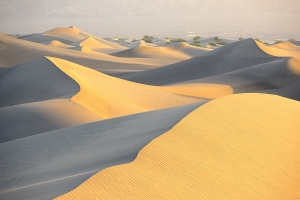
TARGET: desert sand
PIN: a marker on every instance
(213, 153)
(83, 117)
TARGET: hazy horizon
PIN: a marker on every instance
(175, 18)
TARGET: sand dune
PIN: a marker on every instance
(190, 50)
(111, 97)
(37, 80)
(40, 117)
(16, 51)
(231, 57)
(144, 51)
(56, 43)
(47, 165)
(275, 76)
(213, 153)
(286, 45)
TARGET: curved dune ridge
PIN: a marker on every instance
(144, 51)
(237, 147)
(191, 50)
(90, 42)
(234, 56)
(111, 97)
(47, 165)
(56, 43)
(37, 80)
(286, 45)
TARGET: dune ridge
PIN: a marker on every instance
(213, 153)
(111, 97)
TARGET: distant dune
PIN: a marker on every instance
(213, 153)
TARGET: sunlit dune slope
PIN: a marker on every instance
(286, 45)
(228, 58)
(59, 44)
(237, 147)
(36, 80)
(92, 43)
(28, 119)
(50, 164)
(111, 97)
(16, 51)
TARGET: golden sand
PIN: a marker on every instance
(242, 146)
(111, 97)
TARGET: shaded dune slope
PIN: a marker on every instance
(36, 80)
(47, 165)
(28, 119)
(56, 43)
(231, 57)
(190, 50)
(213, 153)
(278, 74)
(111, 97)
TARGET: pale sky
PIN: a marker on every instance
(278, 19)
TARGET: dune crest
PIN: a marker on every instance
(112, 97)
(90, 42)
(213, 153)
(56, 43)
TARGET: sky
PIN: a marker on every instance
(276, 19)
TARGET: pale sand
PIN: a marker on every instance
(112, 97)
(16, 51)
(47, 165)
(242, 146)
(28, 119)
(231, 57)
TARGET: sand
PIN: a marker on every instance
(56, 43)
(213, 153)
(47, 165)
(287, 46)
(112, 97)
(228, 58)
(39, 117)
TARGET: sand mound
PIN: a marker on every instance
(59, 44)
(145, 51)
(213, 153)
(15, 51)
(111, 97)
(39, 117)
(278, 51)
(274, 75)
(37, 80)
(286, 45)
(90, 42)
(190, 50)
(47, 165)
(228, 58)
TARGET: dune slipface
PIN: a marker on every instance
(37, 80)
(111, 97)
(47, 165)
(237, 147)
(228, 58)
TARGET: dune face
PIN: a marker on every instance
(83, 117)
(47, 165)
(37, 80)
(231, 57)
(213, 153)
(111, 97)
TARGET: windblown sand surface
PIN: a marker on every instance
(73, 105)
(237, 147)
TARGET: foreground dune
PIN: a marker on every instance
(111, 97)
(47, 165)
(236, 147)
